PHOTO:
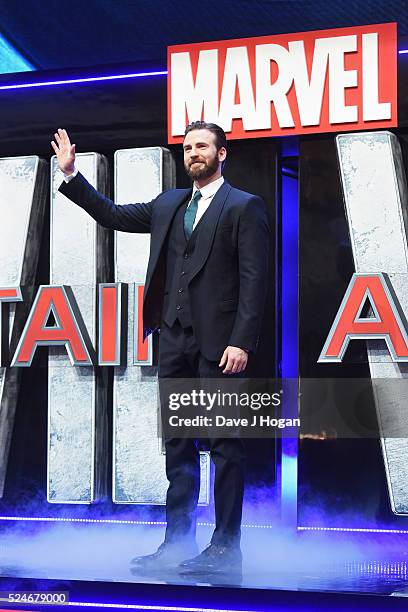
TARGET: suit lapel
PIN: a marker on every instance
(164, 219)
(208, 224)
(169, 208)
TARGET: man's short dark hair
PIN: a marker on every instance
(220, 138)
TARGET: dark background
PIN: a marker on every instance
(112, 37)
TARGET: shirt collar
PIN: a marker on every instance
(208, 191)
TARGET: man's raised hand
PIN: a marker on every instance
(64, 151)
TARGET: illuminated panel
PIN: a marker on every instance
(23, 189)
(77, 403)
(376, 198)
(139, 463)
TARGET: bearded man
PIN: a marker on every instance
(205, 289)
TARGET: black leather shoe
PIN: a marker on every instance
(168, 554)
(214, 559)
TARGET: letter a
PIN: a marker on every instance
(69, 330)
(386, 323)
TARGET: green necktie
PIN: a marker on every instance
(190, 214)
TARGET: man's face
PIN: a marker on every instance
(201, 158)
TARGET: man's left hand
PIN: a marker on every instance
(234, 359)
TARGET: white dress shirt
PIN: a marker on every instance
(207, 194)
(69, 177)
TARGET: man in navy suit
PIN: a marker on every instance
(205, 289)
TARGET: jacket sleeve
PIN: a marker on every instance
(253, 253)
(126, 218)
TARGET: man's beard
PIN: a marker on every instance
(204, 170)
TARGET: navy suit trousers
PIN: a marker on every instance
(180, 357)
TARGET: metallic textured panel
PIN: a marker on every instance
(139, 464)
(77, 417)
(23, 188)
(375, 195)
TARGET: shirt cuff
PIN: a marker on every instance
(242, 348)
(69, 177)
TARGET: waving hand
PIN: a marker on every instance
(64, 151)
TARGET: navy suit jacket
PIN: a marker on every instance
(229, 274)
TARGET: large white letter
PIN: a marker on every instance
(309, 94)
(374, 188)
(199, 99)
(237, 75)
(276, 92)
(77, 398)
(23, 189)
(372, 108)
(340, 79)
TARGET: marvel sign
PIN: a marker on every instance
(321, 81)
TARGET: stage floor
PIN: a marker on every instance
(302, 561)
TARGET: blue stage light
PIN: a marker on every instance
(58, 519)
(118, 606)
(11, 60)
(353, 529)
(288, 290)
(393, 569)
(111, 77)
